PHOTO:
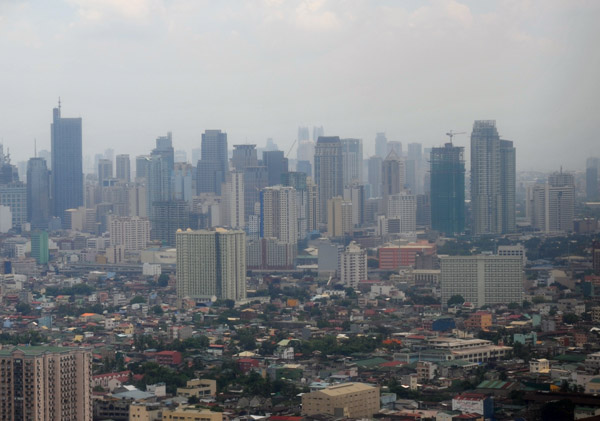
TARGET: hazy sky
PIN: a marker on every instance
(135, 69)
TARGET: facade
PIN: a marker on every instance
(402, 211)
(211, 263)
(352, 161)
(39, 247)
(190, 413)
(105, 171)
(213, 164)
(167, 218)
(38, 193)
(339, 217)
(347, 400)
(232, 199)
(131, 232)
(276, 164)
(14, 195)
(255, 179)
(374, 175)
(551, 206)
(328, 171)
(592, 192)
(244, 156)
(313, 211)
(355, 194)
(482, 279)
(353, 265)
(46, 383)
(492, 180)
(67, 164)
(447, 194)
(279, 218)
(123, 168)
(392, 178)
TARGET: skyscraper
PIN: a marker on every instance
(67, 162)
(279, 214)
(276, 164)
(38, 193)
(393, 177)
(353, 265)
(244, 156)
(551, 206)
(105, 170)
(374, 176)
(166, 218)
(592, 192)
(211, 263)
(213, 164)
(492, 180)
(328, 171)
(352, 160)
(123, 168)
(448, 189)
(232, 200)
(39, 247)
(381, 145)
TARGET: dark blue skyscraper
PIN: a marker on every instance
(448, 189)
(67, 171)
(213, 164)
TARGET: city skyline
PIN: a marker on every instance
(436, 71)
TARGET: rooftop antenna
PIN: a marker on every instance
(59, 103)
(34, 147)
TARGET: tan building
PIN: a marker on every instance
(199, 388)
(350, 400)
(145, 411)
(45, 383)
(190, 413)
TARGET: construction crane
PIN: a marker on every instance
(292, 147)
(452, 133)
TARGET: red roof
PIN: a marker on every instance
(391, 364)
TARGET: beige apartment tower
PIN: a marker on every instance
(347, 400)
(45, 384)
(211, 263)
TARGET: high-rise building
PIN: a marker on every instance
(38, 193)
(492, 180)
(592, 192)
(131, 232)
(232, 202)
(551, 206)
(392, 178)
(396, 146)
(167, 217)
(67, 163)
(313, 216)
(181, 156)
(105, 170)
(211, 263)
(483, 279)
(355, 194)
(213, 165)
(353, 265)
(303, 133)
(181, 180)
(297, 180)
(352, 160)
(339, 217)
(255, 179)
(276, 164)
(46, 383)
(142, 165)
(374, 176)
(447, 189)
(123, 168)
(39, 247)
(244, 156)
(402, 213)
(14, 195)
(328, 171)
(318, 131)
(414, 173)
(381, 145)
(279, 214)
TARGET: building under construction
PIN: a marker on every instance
(448, 189)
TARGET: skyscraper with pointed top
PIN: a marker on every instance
(67, 162)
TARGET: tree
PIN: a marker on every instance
(23, 308)
(513, 306)
(163, 280)
(138, 299)
(570, 318)
(456, 300)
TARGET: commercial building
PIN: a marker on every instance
(276, 164)
(39, 247)
(45, 383)
(14, 195)
(190, 413)
(447, 192)
(279, 217)
(352, 161)
(232, 200)
(211, 263)
(347, 400)
(482, 279)
(123, 168)
(67, 165)
(328, 171)
(493, 176)
(392, 178)
(213, 164)
(339, 217)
